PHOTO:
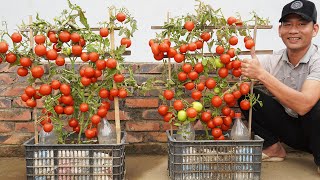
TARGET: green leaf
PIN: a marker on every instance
(83, 19)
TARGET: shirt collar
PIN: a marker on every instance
(305, 59)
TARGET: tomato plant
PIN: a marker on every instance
(206, 47)
(79, 93)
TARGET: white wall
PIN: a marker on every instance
(148, 13)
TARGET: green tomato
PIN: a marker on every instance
(192, 119)
(217, 90)
(218, 63)
(197, 106)
(182, 115)
(66, 51)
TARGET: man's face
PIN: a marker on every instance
(297, 33)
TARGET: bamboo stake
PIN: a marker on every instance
(169, 69)
(252, 80)
(116, 99)
(34, 111)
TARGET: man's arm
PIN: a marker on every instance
(301, 102)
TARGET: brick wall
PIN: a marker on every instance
(138, 113)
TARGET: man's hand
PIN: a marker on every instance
(251, 68)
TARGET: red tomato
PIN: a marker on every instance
(22, 71)
(178, 105)
(182, 76)
(196, 95)
(16, 37)
(205, 116)
(223, 72)
(75, 37)
(125, 42)
(163, 110)
(217, 121)
(168, 94)
(189, 85)
(210, 83)
(233, 40)
(47, 127)
(231, 20)
(4, 47)
(244, 88)
(216, 132)
(64, 36)
(249, 44)
(198, 67)
(45, 89)
(37, 71)
(205, 36)
(104, 32)
(189, 25)
(226, 110)
(225, 58)
(40, 39)
(179, 58)
(187, 67)
(245, 104)
(84, 107)
(73, 122)
(216, 101)
(120, 16)
(191, 112)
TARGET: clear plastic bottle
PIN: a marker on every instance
(185, 133)
(106, 133)
(239, 131)
(47, 137)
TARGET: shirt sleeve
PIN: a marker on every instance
(314, 70)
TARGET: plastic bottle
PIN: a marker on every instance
(185, 133)
(239, 131)
(47, 137)
(106, 133)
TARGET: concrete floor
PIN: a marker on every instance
(297, 166)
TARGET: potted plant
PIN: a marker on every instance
(202, 86)
(77, 72)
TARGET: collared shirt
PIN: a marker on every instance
(293, 76)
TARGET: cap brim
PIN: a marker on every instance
(304, 16)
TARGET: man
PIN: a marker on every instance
(292, 113)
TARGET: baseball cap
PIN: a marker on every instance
(306, 9)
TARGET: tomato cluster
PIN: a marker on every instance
(81, 92)
(211, 79)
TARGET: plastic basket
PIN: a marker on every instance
(209, 159)
(75, 161)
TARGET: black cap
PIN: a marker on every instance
(306, 9)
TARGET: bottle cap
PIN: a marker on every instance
(237, 115)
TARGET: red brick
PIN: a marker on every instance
(15, 114)
(142, 126)
(24, 127)
(6, 127)
(17, 102)
(7, 78)
(151, 114)
(134, 137)
(5, 67)
(198, 126)
(167, 126)
(5, 103)
(11, 91)
(17, 138)
(156, 137)
(123, 115)
(139, 103)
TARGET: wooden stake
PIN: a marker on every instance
(252, 80)
(34, 111)
(116, 99)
